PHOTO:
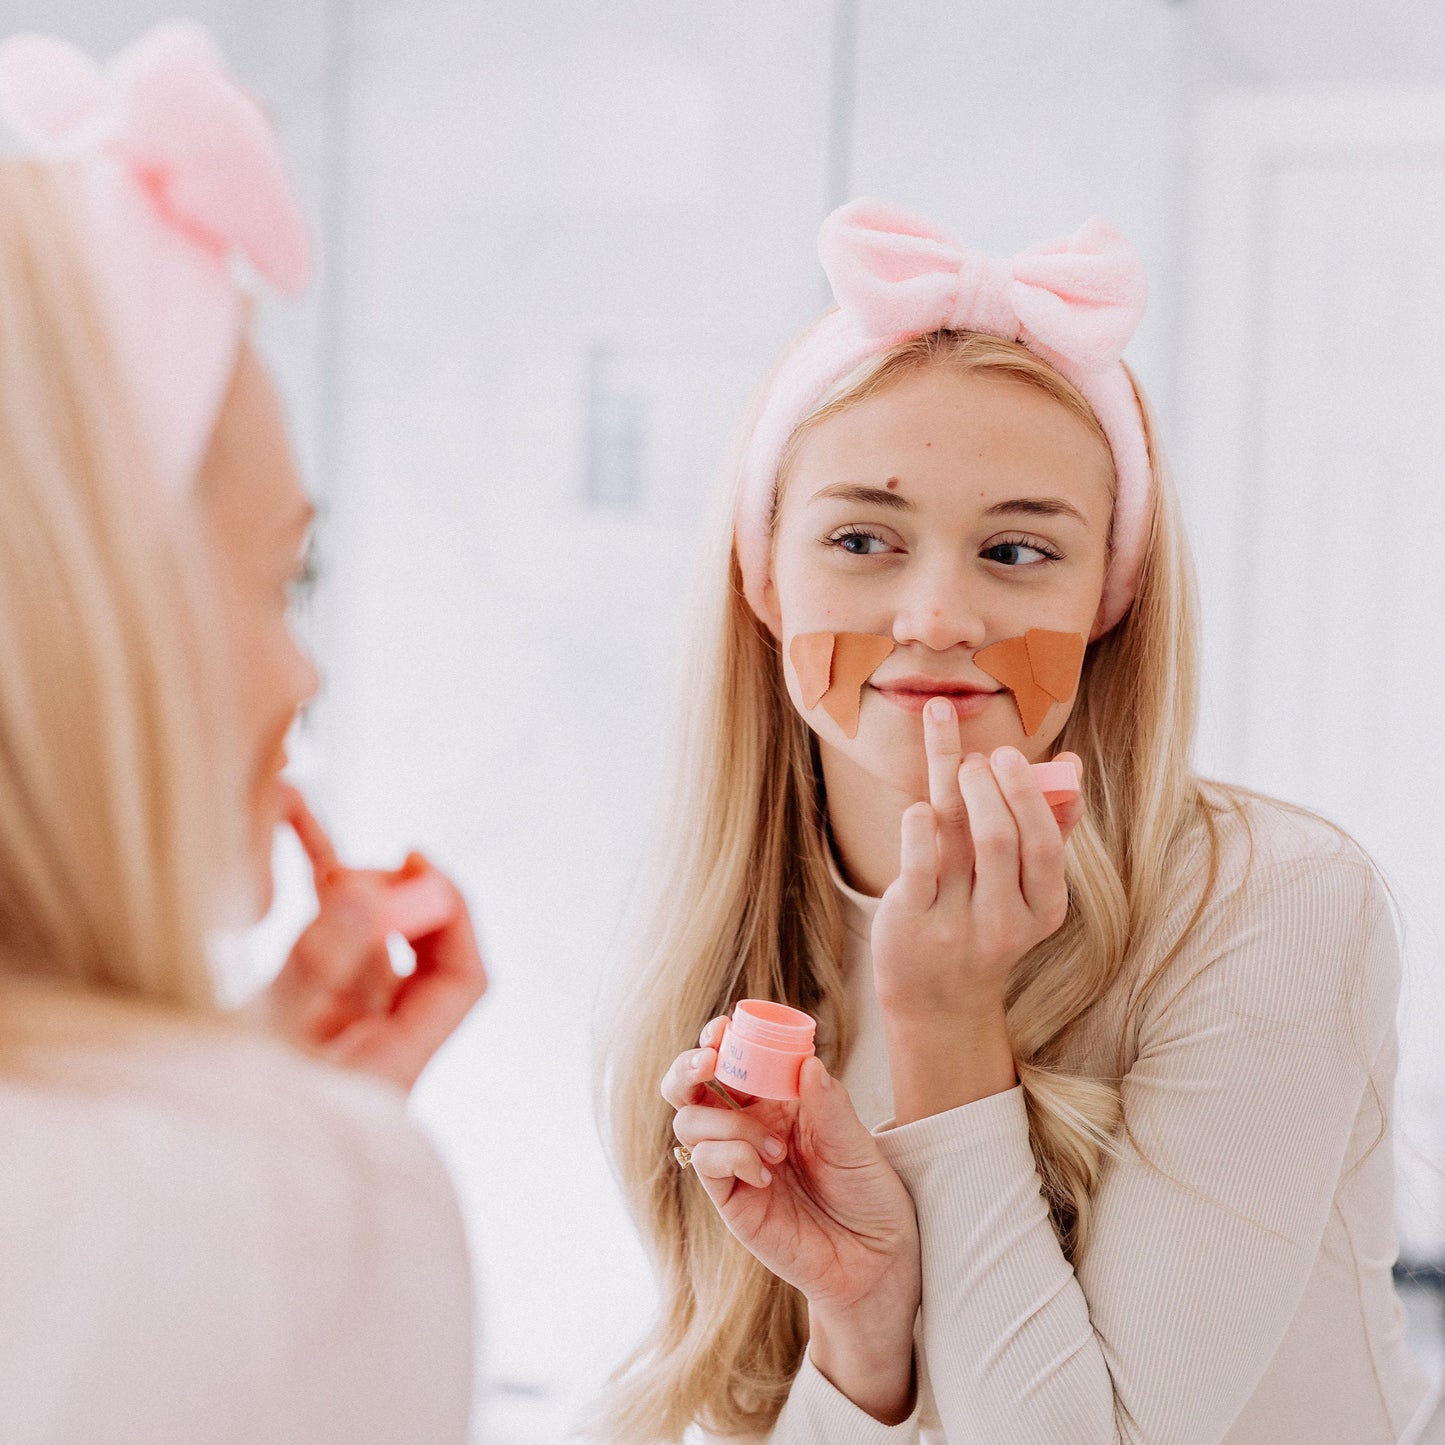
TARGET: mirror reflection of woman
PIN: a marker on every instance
(207, 1234)
(1096, 1147)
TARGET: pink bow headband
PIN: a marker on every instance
(180, 174)
(1074, 303)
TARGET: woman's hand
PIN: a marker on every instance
(338, 993)
(803, 1185)
(981, 881)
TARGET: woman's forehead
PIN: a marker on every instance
(939, 436)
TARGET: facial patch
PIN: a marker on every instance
(1040, 668)
(812, 654)
(832, 668)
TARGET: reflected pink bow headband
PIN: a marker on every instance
(1074, 303)
(181, 176)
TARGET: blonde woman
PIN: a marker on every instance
(1096, 1144)
(205, 1235)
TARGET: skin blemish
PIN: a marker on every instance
(892, 484)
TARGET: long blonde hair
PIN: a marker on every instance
(114, 750)
(741, 904)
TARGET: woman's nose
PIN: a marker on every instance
(305, 678)
(939, 610)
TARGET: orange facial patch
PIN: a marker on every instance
(812, 654)
(832, 668)
(1040, 668)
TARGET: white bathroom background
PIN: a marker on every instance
(560, 242)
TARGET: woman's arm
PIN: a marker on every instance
(981, 881)
(1240, 1106)
(817, 1412)
(804, 1187)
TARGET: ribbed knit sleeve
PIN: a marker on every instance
(817, 1414)
(1254, 1059)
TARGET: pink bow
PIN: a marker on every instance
(177, 173)
(1077, 300)
(192, 139)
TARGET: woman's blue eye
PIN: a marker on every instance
(858, 543)
(302, 582)
(1018, 554)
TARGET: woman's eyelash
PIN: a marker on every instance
(304, 578)
(1036, 544)
(836, 539)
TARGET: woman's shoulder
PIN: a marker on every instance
(1238, 842)
(1271, 900)
(189, 1200)
(138, 1084)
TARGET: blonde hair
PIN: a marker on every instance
(114, 752)
(741, 904)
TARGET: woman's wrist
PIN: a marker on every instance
(943, 1062)
(867, 1354)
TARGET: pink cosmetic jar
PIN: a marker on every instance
(1058, 779)
(419, 906)
(763, 1048)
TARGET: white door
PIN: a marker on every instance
(1314, 478)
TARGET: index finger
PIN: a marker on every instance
(315, 840)
(687, 1076)
(943, 746)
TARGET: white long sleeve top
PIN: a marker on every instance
(1236, 1287)
(207, 1238)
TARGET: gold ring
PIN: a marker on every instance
(682, 1154)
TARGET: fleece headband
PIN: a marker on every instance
(180, 175)
(1074, 303)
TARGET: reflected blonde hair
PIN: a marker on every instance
(741, 904)
(113, 748)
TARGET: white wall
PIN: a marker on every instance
(1315, 461)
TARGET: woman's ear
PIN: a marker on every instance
(771, 614)
(1098, 629)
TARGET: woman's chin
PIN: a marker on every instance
(900, 765)
(899, 770)
(262, 893)
(247, 893)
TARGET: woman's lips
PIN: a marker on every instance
(915, 699)
(270, 776)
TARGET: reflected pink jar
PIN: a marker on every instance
(763, 1048)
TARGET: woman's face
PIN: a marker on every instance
(257, 521)
(948, 512)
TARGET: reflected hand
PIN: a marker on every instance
(339, 995)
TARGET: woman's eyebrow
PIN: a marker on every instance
(856, 492)
(1037, 507)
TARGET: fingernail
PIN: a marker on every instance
(773, 1148)
(695, 1062)
(767, 1176)
(1009, 757)
(940, 710)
